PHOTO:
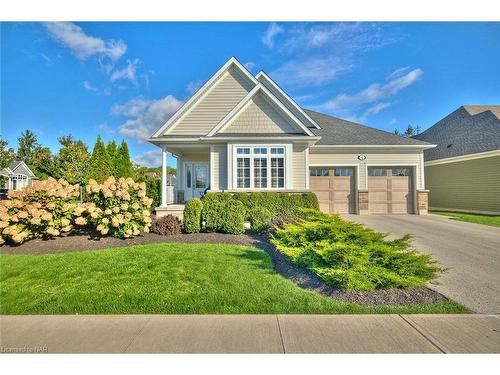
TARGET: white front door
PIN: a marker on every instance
(196, 180)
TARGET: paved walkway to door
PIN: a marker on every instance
(471, 251)
(250, 334)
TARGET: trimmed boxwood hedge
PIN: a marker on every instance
(222, 211)
(192, 216)
(260, 218)
(278, 204)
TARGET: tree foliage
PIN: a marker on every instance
(112, 151)
(100, 166)
(72, 160)
(409, 132)
(39, 159)
(6, 154)
(124, 167)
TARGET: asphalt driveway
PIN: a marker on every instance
(471, 251)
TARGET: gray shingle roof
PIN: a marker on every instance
(468, 130)
(335, 131)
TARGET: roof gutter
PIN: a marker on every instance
(349, 147)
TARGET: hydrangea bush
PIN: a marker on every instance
(119, 208)
(45, 209)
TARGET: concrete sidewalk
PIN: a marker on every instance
(250, 333)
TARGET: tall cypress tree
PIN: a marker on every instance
(114, 158)
(100, 165)
(124, 163)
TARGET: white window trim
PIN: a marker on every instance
(287, 156)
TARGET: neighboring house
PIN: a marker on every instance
(241, 132)
(463, 171)
(18, 175)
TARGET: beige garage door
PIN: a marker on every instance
(335, 189)
(390, 190)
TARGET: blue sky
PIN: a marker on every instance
(123, 80)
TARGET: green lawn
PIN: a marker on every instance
(490, 220)
(166, 279)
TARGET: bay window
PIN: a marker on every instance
(260, 167)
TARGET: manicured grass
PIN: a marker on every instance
(490, 220)
(166, 279)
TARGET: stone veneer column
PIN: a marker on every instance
(422, 202)
(362, 202)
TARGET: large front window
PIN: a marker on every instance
(260, 167)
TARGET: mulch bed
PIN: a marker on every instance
(84, 240)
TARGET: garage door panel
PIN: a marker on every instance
(401, 196)
(378, 208)
(320, 183)
(377, 183)
(336, 194)
(400, 183)
(388, 194)
(399, 208)
(379, 195)
(323, 195)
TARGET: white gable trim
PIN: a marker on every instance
(202, 91)
(13, 170)
(246, 100)
(290, 100)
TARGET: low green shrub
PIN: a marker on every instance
(352, 257)
(213, 210)
(233, 217)
(279, 204)
(192, 215)
(259, 218)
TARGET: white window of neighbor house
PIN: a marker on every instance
(260, 167)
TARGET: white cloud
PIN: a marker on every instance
(397, 73)
(339, 38)
(373, 110)
(272, 31)
(149, 158)
(128, 73)
(105, 128)
(192, 87)
(314, 71)
(374, 93)
(319, 53)
(145, 116)
(82, 45)
(393, 121)
(88, 86)
(250, 65)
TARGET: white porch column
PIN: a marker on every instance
(164, 176)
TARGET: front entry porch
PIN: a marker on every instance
(192, 177)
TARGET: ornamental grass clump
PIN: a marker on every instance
(351, 256)
(119, 208)
(44, 209)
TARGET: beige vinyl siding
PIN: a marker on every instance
(466, 185)
(213, 106)
(218, 167)
(381, 158)
(260, 117)
(285, 101)
(300, 172)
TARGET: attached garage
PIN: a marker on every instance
(390, 190)
(335, 188)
